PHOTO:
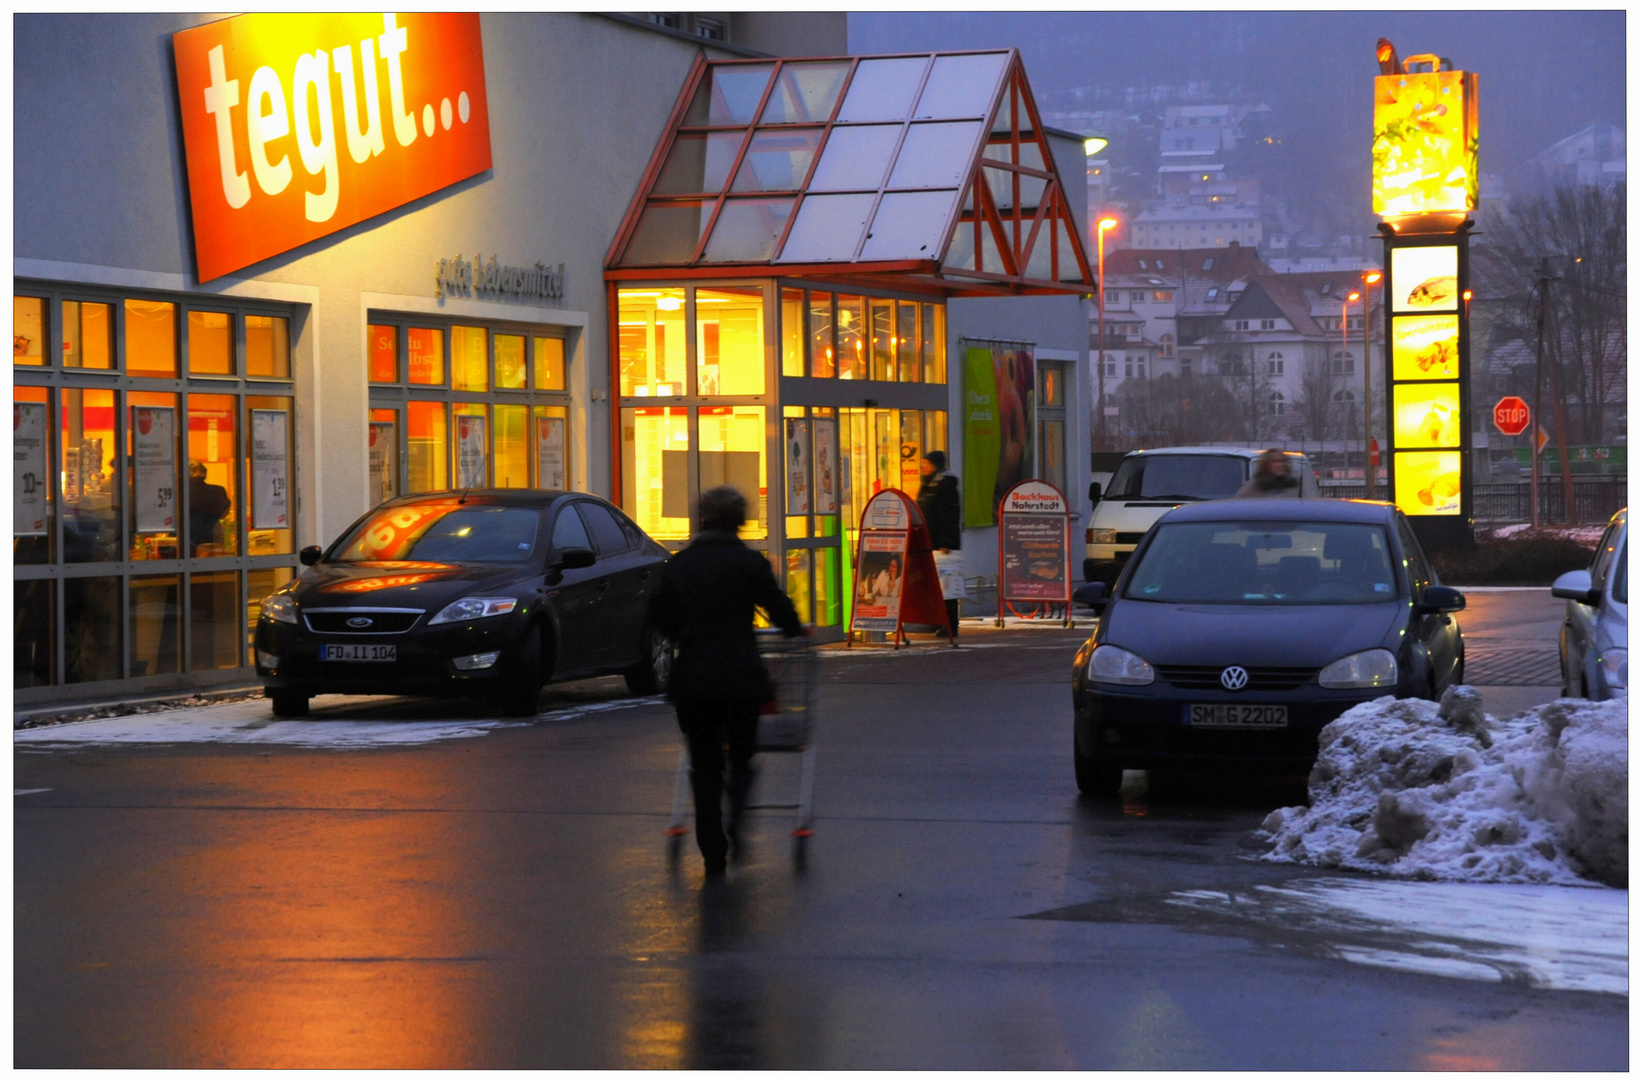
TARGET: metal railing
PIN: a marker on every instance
(1596, 500)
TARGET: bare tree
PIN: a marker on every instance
(1316, 388)
(1178, 411)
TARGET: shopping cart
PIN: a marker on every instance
(785, 727)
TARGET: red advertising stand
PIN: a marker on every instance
(1033, 549)
(895, 581)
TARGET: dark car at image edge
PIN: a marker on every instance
(483, 593)
(1240, 628)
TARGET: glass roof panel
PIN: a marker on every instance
(805, 93)
(960, 255)
(777, 160)
(991, 253)
(1000, 182)
(1068, 270)
(961, 87)
(667, 234)
(747, 230)
(856, 158)
(936, 155)
(699, 164)
(909, 225)
(882, 90)
(1030, 155)
(827, 229)
(729, 94)
(1040, 266)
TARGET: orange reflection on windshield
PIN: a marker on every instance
(390, 581)
(394, 532)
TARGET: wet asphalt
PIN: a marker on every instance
(505, 901)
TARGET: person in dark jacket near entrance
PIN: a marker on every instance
(941, 506)
(705, 602)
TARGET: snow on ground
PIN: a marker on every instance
(1582, 534)
(1443, 792)
(250, 722)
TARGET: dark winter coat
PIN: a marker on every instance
(705, 602)
(941, 507)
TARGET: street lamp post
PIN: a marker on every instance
(1367, 280)
(1345, 373)
(1104, 225)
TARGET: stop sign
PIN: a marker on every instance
(1512, 415)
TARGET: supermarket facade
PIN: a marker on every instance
(281, 268)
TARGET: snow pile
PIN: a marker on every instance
(1443, 792)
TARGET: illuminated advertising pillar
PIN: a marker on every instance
(1425, 182)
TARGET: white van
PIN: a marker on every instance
(1148, 483)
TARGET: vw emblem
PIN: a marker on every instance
(359, 622)
(1234, 677)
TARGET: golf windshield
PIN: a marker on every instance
(444, 532)
(1178, 476)
(1265, 562)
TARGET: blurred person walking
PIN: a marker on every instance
(706, 602)
(1270, 479)
(941, 506)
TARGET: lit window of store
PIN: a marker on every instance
(466, 404)
(153, 509)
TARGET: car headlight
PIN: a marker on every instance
(1361, 670)
(474, 607)
(1615, 663)
(280, 607)
(1102, 536)
(1113, 664)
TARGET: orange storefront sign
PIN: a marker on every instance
(297, 126)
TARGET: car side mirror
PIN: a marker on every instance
(574, 558)
(1095, 492)
(1576, 585)
(1443, 599)
(1091, 595)
(309, 556)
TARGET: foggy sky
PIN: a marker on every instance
(1542, 75)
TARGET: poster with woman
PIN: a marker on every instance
(797, 461)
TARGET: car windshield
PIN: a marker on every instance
(1179, 476)
(1265, 562)
(443, 532)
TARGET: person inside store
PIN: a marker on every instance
(1270, 479)
(706, 603)
(941, 506)
(208, 503)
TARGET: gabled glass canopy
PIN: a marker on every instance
(929, 171)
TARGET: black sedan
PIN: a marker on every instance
(1240, 628)
(487, 593)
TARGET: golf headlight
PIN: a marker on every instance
(474, 607)
(1361, 671)
(1615, 663)
(280, 608)
(1103, 536)
(1113, 664)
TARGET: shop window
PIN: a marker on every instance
(267, 347)
(28, 314)
(150, 338)
(733, 444)
(821, 342)
(933, 343)
(152, 435)
(88, 335)
(799, 581)
(156, 625)
(32, 502)
(426, 353)
(729, 327)
(383, 353)
(827, 587)
(654, 463)
(511, 370)
(33, 645)
(210, 343)
(851, 337)
(91, 492)
(267, 467)
(213, 621)
(91, 629)
(511, 443)
(213, 501)
(798, 438)
(469, 358)
(882, 340)
(652, 343)
(908, 342)
(259, 584)
(551, 438)
(1051, 435)
(549, 365)
(1052, 386)
(383, 455)
(471, 444)
(791, 332)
